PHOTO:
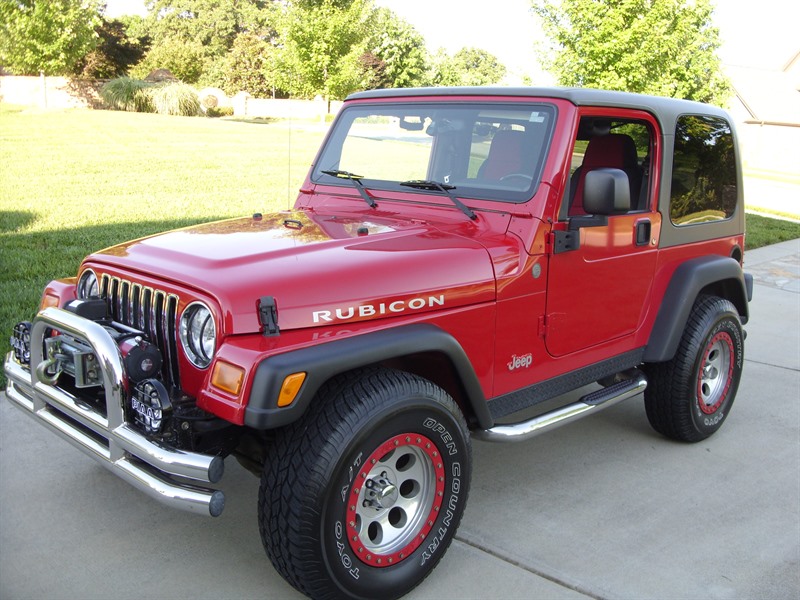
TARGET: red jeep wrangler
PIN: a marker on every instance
(454, 257)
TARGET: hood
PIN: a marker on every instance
(321, 269)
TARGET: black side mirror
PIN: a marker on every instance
(606, 192)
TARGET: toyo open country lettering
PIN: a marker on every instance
(455, 258)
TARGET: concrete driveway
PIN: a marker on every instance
(604, 508)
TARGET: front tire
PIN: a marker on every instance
(691, 395)
(362, 497)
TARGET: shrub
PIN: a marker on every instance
(124, 93)
(175, 98)
(221, 111)
(135, 95)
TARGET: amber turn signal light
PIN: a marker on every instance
(227, 377)
(290, 388)
(48, 301)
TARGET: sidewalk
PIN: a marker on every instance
(765, 196)
(603, 508)
(776, 266)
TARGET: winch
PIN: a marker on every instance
(76, 358)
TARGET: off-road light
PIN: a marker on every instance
(21, 342)
(150, 405)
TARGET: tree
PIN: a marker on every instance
(190, 36)
(396, 55)
(213, 24)
(660, 47)
(468, 66)
(252, 66)
(323, 42)
(115, 53)
(186, 60)
(50, 36)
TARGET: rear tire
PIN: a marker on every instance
(361, 498)
(690, 396)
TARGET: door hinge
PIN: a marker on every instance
(268, 316)
(565, 241)
(543, 326)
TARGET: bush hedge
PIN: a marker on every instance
(220, 111)
(165, 98)
(124, 93)
(175, 98)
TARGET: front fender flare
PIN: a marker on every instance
(325, 360)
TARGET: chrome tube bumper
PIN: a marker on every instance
(107, 438)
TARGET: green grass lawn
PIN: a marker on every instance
(75, 181)
(763, 231)
(72, 182)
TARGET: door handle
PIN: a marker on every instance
(643, 232)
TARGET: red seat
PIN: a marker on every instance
(505, 155)
(612, 151)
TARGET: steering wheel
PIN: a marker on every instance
(527, 178)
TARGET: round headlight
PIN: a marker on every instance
(87, 285)
(198, 334)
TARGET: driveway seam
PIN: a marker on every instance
(520, 565)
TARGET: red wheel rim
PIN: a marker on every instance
(394, 499)
(716, 373)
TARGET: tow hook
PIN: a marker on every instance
(43, 367)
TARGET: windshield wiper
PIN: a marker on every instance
(430, 185)
(356, 179)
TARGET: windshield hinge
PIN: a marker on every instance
(268, 316)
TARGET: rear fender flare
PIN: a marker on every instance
(717, 275)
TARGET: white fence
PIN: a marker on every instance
(245, 105)
(47, 92)
(61, 92)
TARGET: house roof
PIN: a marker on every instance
(768, 95)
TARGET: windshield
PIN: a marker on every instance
(487, 151)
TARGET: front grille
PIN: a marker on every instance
(152, 311)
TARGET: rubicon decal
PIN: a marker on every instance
(363, 311)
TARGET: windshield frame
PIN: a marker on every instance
(483, 111)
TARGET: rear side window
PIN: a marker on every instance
(703, 172)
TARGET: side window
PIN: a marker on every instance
(703, 172)
(611, 143)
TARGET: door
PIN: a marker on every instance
(599, 284)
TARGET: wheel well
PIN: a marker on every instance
(730, 289)
(439, 369)
(436, 367)
(421, 349)
(705, 275)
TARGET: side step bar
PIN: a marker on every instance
(588, 404)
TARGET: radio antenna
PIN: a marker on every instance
(289, 165)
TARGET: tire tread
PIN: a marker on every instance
(294, 468)
(669, 394)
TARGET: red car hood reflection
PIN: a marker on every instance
(321, 270)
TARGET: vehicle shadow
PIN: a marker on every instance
(30, 259)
